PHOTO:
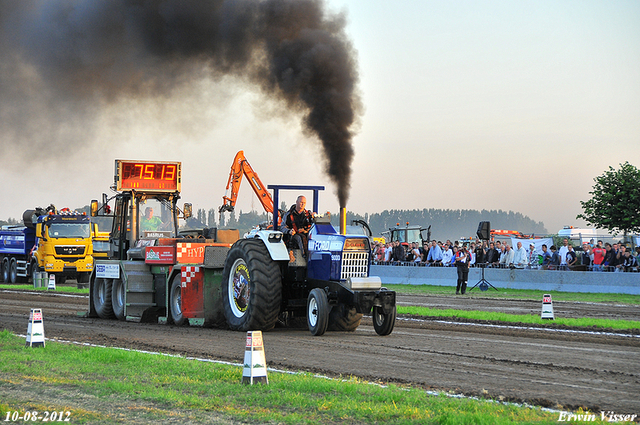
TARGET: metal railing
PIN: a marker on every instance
(592, 268)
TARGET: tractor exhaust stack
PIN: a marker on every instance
(343, 221)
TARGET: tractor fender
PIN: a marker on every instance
(274, 243)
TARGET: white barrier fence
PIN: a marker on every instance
(543, 280)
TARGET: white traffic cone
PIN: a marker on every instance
(35, 330)
(52, 282)
(547, 307)
(255, 363)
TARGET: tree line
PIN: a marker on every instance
(445, 224)
(614, 205)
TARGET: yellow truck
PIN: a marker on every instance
(100, 231)
(63, 245)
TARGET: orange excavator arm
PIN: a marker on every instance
(239, 168)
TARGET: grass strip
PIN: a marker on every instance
(203, 389)
(502, 293)
(527, 294)
(518, 318)
(59, 288)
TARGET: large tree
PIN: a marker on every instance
(615, 202)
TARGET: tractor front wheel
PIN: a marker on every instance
(317, 312)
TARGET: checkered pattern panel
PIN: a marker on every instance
(182, 250)
(188, 273)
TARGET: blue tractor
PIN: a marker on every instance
(263, 284)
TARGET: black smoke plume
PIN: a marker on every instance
(60, 60)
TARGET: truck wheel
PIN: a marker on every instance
(383, 323)
(5, 271)
(253, 287)
(13, 271)
(117, 298)
(175, 301)
(34, 272)
(102, 289)
(317, 312)
(83, 277)
(344, 319)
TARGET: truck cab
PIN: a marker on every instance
(407, 234)
(141, 218)
(63, 246)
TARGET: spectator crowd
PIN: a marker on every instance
(616, 257)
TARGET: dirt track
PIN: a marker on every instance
(599, 371)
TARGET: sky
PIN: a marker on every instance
(489, 105)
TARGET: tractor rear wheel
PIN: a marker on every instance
(383, 323)
(102, 289)
(252, 291)
(175, 301)
(344, 318)
(317, 311)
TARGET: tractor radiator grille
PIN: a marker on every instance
(354, 264)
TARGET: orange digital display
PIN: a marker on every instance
(355, 244)
(148, 176)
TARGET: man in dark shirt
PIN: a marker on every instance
(479, 253)
(492, 255)
(609, 258)
(297, 223)
(424, 251)
(571, 257)
(554, 263)
(546, 257)
(399, 254)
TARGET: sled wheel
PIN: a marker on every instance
(175, 301)
(117, 298)
(102, 290)
(383, 323)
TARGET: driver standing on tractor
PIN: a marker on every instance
(297, 223)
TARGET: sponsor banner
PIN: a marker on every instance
(190, 253)
(159, 255)
(108, 271)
